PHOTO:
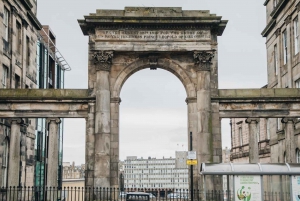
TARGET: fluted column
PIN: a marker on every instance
(253, 141)
(14, 152)
(290, 151)
(102, 174)
(52, 165)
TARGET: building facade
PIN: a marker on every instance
(18, 33)
(165, 173)
(28, 60)
(72, 171)
(275, 145)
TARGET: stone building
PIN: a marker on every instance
(278, 138)
(72, 171)
(28, 60)
(18, 33)
(165, 173)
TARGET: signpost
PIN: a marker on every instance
(192, 160)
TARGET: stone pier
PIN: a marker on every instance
(14, 152)
(253, 141)
(52, 165)
(290, 150)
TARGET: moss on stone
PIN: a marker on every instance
(36, 94)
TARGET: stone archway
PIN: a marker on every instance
(163, 63)
(123, 42)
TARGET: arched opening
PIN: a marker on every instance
(153, 124)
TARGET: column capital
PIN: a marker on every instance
(16, 121)
(54, 119)
(288, 19)
(115, 100)
(288, 120)
(250, 120)
(203, 59)
(190, 100)
(102, 60)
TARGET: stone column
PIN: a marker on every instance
(14, 152)
(90, 147)
(253, 141)
(203, 61)
(114, 148)
(102, 174)
(52, 165)
(290, 151)
(204, 143)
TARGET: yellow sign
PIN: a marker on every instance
(191, 162)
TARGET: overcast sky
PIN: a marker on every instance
(153, 112)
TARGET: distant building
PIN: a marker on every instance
(73, 177)
(72, 171)
(226, 155)
(156, 173)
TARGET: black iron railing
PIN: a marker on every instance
(114, 194)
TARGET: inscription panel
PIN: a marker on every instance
(153, 35)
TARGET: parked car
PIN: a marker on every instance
(137, 196)
(173, 195)
(151, 196)
(123, 194)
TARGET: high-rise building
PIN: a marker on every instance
(165, 173)
(283, 65)
(29, 59)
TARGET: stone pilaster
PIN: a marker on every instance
(279, 52)
(52, 165)
(192, 127)
(253, 141)
(290, 151)
(289, 51)
(102, 62)
(114, 149)
(14, 152)
(202, 65)
(90, 147)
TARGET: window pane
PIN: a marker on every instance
(296, 35)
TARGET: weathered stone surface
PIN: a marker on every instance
(14, 152)
(52, 169)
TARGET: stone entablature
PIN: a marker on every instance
(152, 35)
(135, 28)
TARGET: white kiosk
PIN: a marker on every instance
(254, 181)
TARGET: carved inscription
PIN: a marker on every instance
(153, 35)
(170, 35)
